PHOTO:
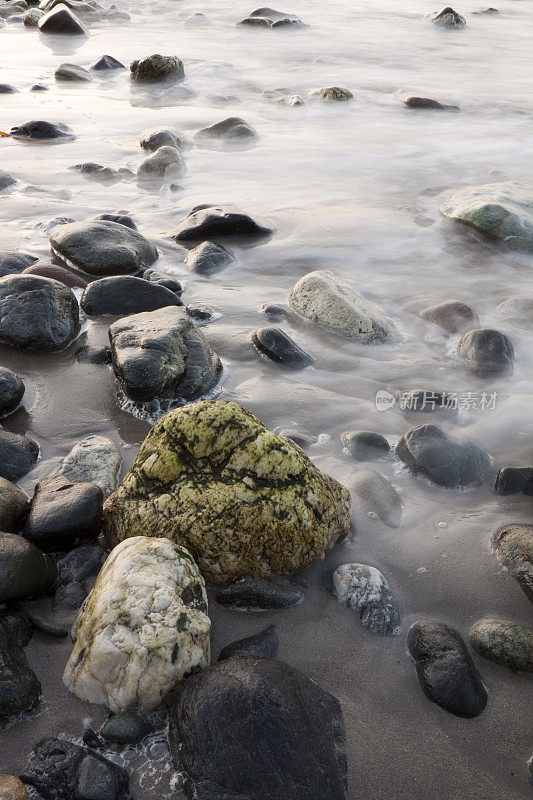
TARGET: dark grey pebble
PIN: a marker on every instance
(6, 88)
(513, 545)
(97, 172)
(125, 294)
(207, 222)
(93, 355)
(61, 20)
(168, 281)
(263, 644)
(13, 262)
(25, 571)
(6, 180)
(230, 128)
(199, 312)
(91, 739)
(486, 352)
(106, 64)
(154, 139)
(452, 315)
(208, 258)
(14, 505)
(17, 625)
(125, 728)
(273, 312)
(365, 445)
(40, 130)
(514, 480)
(11, 391)
(19, 686)
(255, 593)
(122, 219)
(18, 455)
(276, 345)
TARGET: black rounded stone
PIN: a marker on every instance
(125, 294)
(276, 345)
(11, 391)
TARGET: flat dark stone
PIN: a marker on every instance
(125, 728)
(276, 345)
(258, 593)
(263, 644)
(208, 222)
(40, 130)
(122, 219)
(18, 454)
(125, 294)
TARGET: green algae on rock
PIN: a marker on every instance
(506, 643)
(503, 211)
(243, 500)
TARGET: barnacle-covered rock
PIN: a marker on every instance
(243, 500)
(142, 629)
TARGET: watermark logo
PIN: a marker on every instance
(432, 401)
(384, 400)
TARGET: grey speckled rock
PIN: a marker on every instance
(366, 590)
(24, 570)
(448, 18)
(256, 593)
(506, 643)
(19, 687)
(157, 68)
(37, 313)
(143, 628)
(365, 445)
(165, 164)
(445, 669)
(513, 545)
(376, 495)
(18, 454)
(452, 315)
(444, 460)
(208, 258)
(486, 352)
(211, 222)
(160, 354)
(125, 728)
(60, 770)
(102, 248)
(263, 645)
(14, 505)
(502, 211)
(288, 743)
(332, 305)
(94, 459)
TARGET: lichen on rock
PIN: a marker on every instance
(243, 500)
(143, 628)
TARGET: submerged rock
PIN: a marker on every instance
(333, 94)
(261, 506)
(18, 455)
(165, 164)
(62, 513)
(160, 137)
(486, 352)
(60, 770)
(270, 18)
(160, 354)
(102, 248)
(97, 172)
(446, 672)
(337, 308)
(518, 311)
(125, 728)
(288, 743)
(263, 645)
(448, 18)
(125, 294)
(19, 686)
(255, 593)
(157, 68)
(94, 459)
(376, 495)
(452, 315)
(14, 505)
(60, 19)
(36, 130)
(6, 180)
(37, 313)
(502, 211)
(143, 628)
(106, 64)
(208, 258)
(276, 345)
(412, 101)
(513, 545)
(211, 222)
(366, 590)
(444, 460)
(11, 391)
(24, 569)
(230, 128)
(199, 312)
(506, 643)
(514, 480)
(365, 445)
(72, 72)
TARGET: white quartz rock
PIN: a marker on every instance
(93, 460)
(142, 629)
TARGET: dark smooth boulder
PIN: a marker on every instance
(102, 248)
(263, 645)
(19, 686)
(365, 445)
(486, 352)
(445, 669)
(37, 313)
(253, 593)
(13, 262)
(125, 294)
(208, 258)
(211, 222)
(57, 273)
(514, 480)
(513, 546)
(160, 354)
(97, 172)
(452, 315)
(11, 391)
(125, 728)
(18, 455)
(14, 504)
(106, 64)
(276, 345)
(444, 460)
(18, 626)
(255, 729)
(25, 570)
(62, 513)
(152, 140)
(122, 219)
(60, 19)
(60, 770)
(230, 128)
(40, 130)
(161, 278)
(157, 68)
(412, 101)
(6, 88)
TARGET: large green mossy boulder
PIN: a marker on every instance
(243, 500)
